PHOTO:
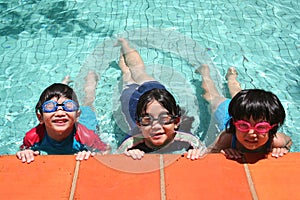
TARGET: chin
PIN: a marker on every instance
(252, 146)
(158, 143)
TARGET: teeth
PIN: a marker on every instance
(60, 121)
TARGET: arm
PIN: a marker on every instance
(223, 141)
(223, 145)
(281, 145)
(33, 136)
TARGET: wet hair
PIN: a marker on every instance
(258, 104)
(164, 98)
(55, 90)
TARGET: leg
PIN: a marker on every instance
(233, 85)
(126, 74)
(134, 62)
(66, 80)
(91, 81)
(211, 94)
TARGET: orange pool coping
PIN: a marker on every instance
(154, 177)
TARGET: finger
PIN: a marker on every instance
(135, 155)
(30, 157)
(87, 155)
(80, 155)
(223, 152)
(281, 152)
(19, 156)
(141, 154)
(195, 155)
(138, 154)
(237, 154)
(130, 153)
(189, 153)
(286, 150)
(233, 154)
(275, 152)
(23, 157)
(126, 153)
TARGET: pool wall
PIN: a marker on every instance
(212, 177)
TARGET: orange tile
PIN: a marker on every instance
(119, 177)
(277, 178)
(212, 177)
(48, 177)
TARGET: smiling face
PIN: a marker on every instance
(59, 124)
(155, 134)
(252, 139)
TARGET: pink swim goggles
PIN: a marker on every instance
(261, 127)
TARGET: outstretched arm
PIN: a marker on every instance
(281, 145)
(223, 145)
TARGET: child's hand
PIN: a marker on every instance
(135, 154)
(232, 153)
(84, 155)
(27, 155)
(194, 154)
(279, 152)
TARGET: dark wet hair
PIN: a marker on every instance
(258, 104)
(56, 90)
(164, 98)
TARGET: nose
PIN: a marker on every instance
(252, 133)
(155, 123)
(59, 110)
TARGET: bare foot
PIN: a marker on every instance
(125, 48)
(233, 85)
(67, 80)
(231, 73)
(121, 42)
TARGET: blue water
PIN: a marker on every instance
(42, 41)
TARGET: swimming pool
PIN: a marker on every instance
(42, 41)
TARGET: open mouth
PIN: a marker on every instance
(156, 135)
(60, 121)
(252, 141)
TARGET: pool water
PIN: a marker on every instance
(42, 41)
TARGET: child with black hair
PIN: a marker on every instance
(158, 118)
(249, 120)
(151, 112)
(59, 131)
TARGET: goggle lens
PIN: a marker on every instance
(163, 119)
(261, 127)
(52, 106)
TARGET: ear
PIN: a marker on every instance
(78, 115)
(40, 117)
(138, 123)
(177, 122)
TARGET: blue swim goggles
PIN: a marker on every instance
(52, 106)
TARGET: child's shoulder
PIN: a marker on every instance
(223, 141)
(34, 135)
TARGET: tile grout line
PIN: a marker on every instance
(250, 182)
(162, 178)
(74, 181)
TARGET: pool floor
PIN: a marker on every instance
(174, 177)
